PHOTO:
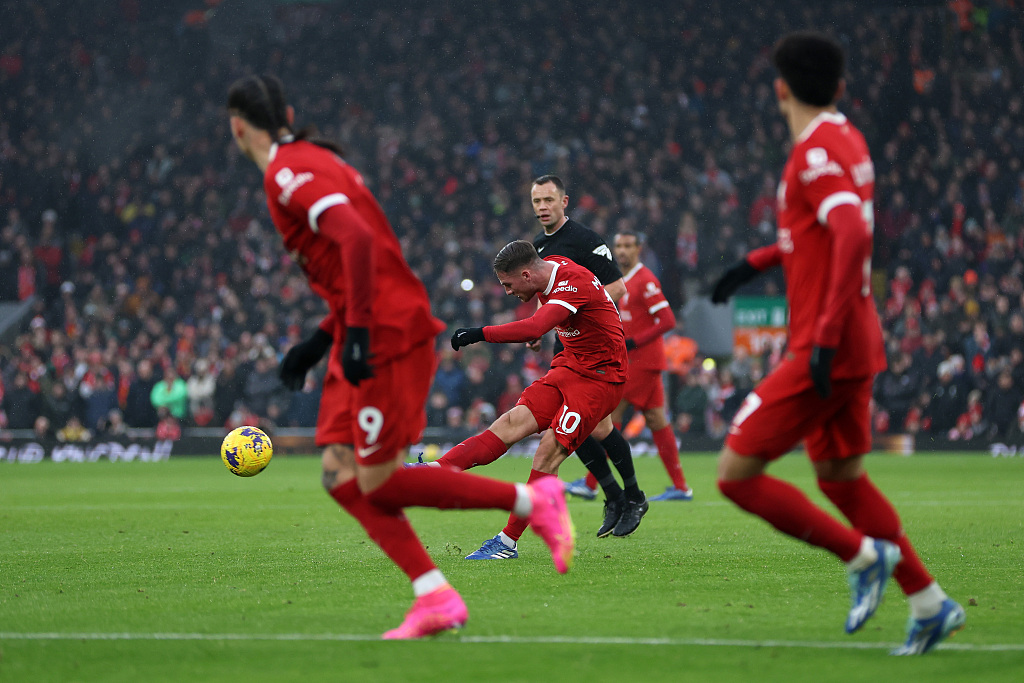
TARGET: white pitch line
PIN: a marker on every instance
(536, 640)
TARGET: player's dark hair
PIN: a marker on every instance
(260, 101)
(515, 255)
(544, 179)
(811, 64)
(639, 236)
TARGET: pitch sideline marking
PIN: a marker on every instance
(537, 640)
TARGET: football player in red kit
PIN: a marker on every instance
(381, 335)
(646, 316)
(820, 392)
(582, 387)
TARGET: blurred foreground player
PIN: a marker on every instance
(583, 385)
(381, 334)
(821, 390)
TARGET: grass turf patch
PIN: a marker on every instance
(164, 571)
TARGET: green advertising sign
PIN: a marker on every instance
(759, 311)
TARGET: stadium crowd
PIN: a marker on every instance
(164, 298)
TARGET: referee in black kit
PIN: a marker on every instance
(562, 236)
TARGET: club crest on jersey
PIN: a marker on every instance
(818, 165)
(289, 183)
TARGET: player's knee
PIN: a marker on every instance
(337, 466)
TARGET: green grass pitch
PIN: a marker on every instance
(178, 571)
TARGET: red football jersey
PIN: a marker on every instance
(828, 167)
(640, 308)
(302, 182)
(592, 335)
(595, 345)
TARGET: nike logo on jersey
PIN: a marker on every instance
(368, 451)
(540, 249)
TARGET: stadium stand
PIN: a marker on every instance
(125, 210)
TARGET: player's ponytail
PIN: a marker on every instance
(260, 101)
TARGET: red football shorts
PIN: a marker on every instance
(644, 389)
(384, 414)
(570, 404)
(785, 409)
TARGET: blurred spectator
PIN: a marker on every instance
(949, 398)
(139, 410)
(168, 428)
(304, 405)
(114, 424)
(895, 390)
(20, 403)
(1001, 405)
(437, 409)
(691, 405)
(201, 386)
(262, 384)
(171, 393)
(74, 432)
(42, 429)
(228, 390)
(97, 389)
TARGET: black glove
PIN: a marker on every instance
(630, 344)
(301, 357)
(738, 275)
(464, 336)
(821, 369)
(355, 358)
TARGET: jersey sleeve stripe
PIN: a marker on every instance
(563, 303)
(321, 205)
(657, 307)
(832, 201)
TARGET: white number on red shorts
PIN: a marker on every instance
(569, 421)
(751, 403)
(371, 421)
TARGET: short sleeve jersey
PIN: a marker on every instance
(582, 245)
(639, 309)
(595, 345)
(303, 181)
(828, 166)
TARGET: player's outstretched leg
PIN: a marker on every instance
(868, 581)
(924, 634)
(550, 520)
(438, 611)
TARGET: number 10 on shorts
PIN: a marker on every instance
(569, 421)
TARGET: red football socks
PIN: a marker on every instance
(446, 489)
(785, 507)
(390, 530)
(665, 442)
(870, 512)
(517, 525)
(482, 449)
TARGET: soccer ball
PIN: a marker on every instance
(246, 451)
